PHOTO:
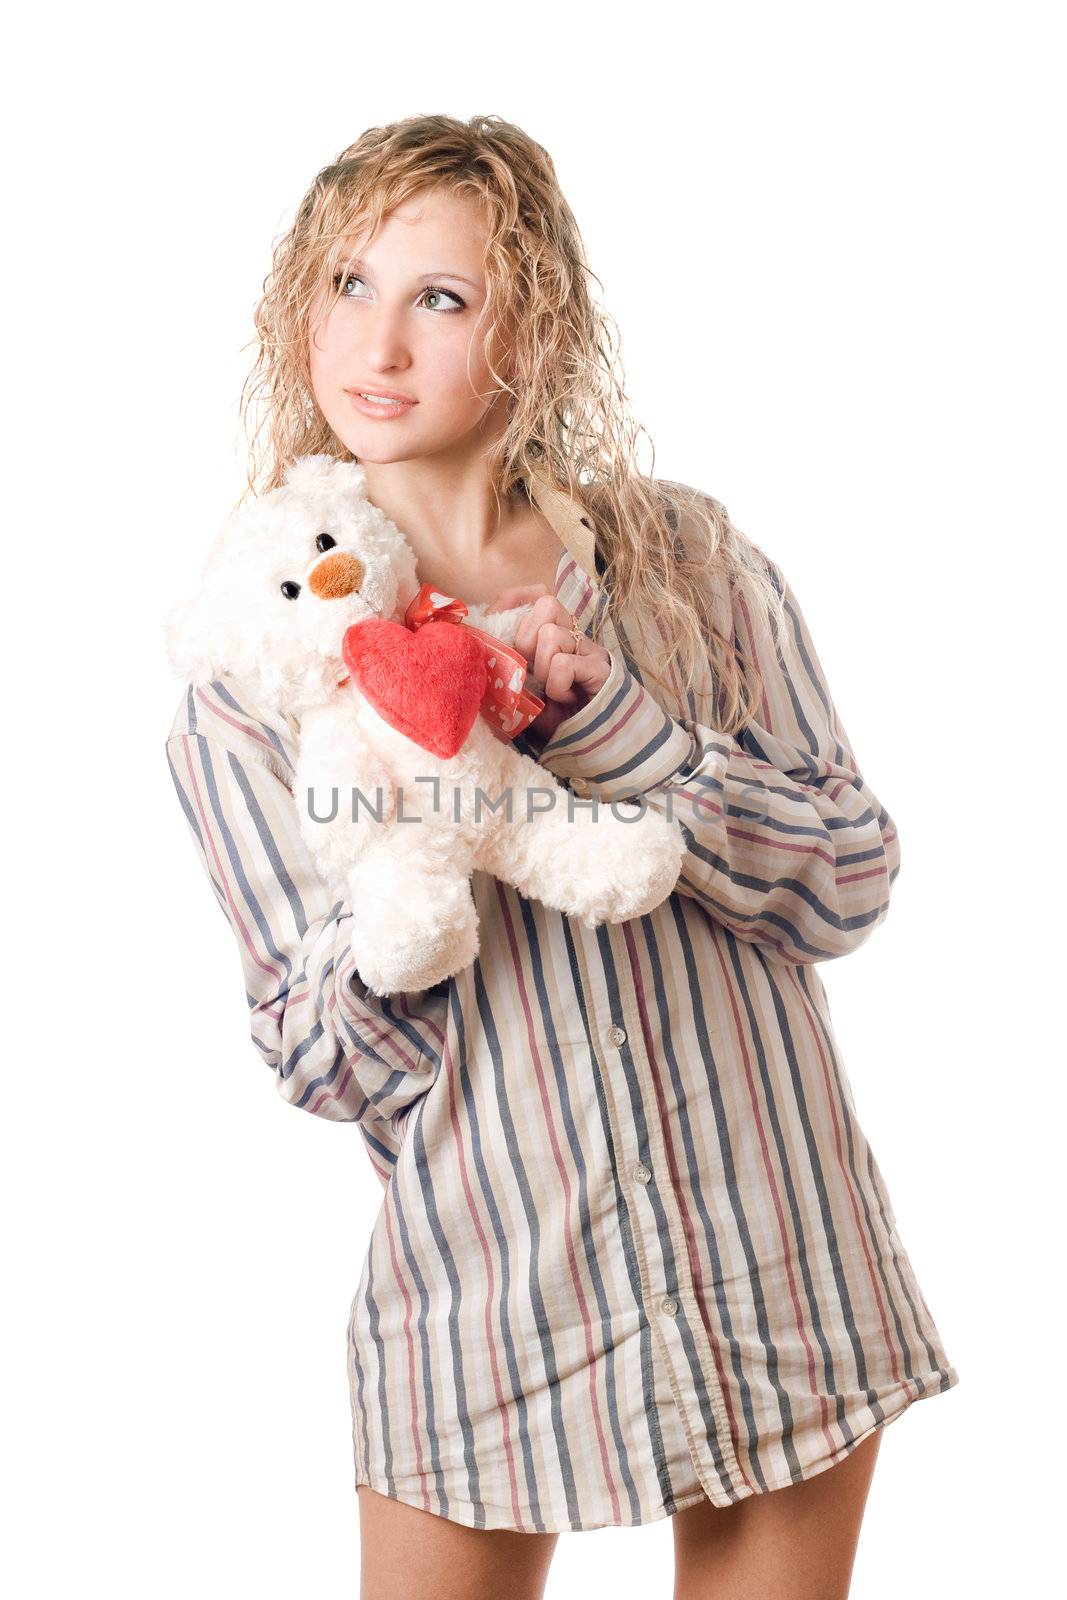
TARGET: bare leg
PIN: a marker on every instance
(410, 1554)
(797, 1543)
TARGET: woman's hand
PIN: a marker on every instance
(571, 673)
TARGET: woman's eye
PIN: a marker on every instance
(349, 277)
(325, 541)
(431, 288)
(290, 589)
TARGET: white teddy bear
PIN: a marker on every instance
(391, 825)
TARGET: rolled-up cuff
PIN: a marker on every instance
(620, 744)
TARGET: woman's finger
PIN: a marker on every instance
(552, 640)
(567, 674)
(545, 611)
(572, 679)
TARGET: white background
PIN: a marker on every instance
(830, 237)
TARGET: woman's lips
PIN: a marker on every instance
(372, 408)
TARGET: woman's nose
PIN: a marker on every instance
(382, 341)
(338, 575)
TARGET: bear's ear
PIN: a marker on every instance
(313, 474)
(192, 641)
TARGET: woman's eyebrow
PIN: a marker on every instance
(354, 264)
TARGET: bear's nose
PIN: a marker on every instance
(338, 575)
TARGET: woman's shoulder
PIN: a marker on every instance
(226, 712)
(692, 513)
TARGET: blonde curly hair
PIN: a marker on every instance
(568, 421)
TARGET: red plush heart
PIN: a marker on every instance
(428, 683)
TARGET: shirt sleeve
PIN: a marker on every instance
(787, 844)
(332, 1044)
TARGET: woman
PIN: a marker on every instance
(635, 1257)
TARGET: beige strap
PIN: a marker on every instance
(566, 514)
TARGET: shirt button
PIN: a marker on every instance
(642, 1173)
(617, 1035)
(669, 1304)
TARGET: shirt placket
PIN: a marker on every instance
(669, 1297)
(668, 1294)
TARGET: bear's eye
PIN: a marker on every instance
(290, 589)
(325, 541)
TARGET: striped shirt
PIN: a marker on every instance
(634, 1249)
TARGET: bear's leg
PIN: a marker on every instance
(413, 917)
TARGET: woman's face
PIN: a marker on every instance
(407, 323)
